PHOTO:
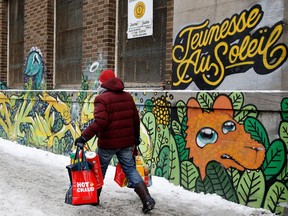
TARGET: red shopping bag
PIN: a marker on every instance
(83, 187)
(120, 177)
(142, 168)
(83, 183)
(93, 158)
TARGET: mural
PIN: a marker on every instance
(34, 72)
(3, 86)
(209, 142)
(206, 54)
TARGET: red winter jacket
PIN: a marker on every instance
(116, 119)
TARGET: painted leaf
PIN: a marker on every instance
(284, 108)
(181, 110)
(215, 95)
(283, 132)
(181, 144)
(246, 111)
(162, 169)
(162, 140)
(205, 100)
(149, 122)
(237, 99)
(184, 125)
(257, 131)
(251, 188)
(189, 174)
(174, 170)
(283, 176)
(221, 182)
(275, 159)
(234, 175)
(204, 186)
(176, 127)
(276, 194)
(148, 105)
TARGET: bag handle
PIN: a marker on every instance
(83, 158)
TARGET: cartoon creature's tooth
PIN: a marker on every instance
(225, 156)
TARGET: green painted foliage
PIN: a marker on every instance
(257, 131)
(237, 99)
(184, 126)
(162, 167)
(251, 189)
(246, 111)
(221, 181)
(214, 95)
(283, 132)
(284, 108)
(181, 146)
(161, 140)
(149, 122)
(174, 176)
(176, 127)
(234, 175)
(275, 159)
(189, 175)
(205, 101)
(277, 193)
(204, 186)
(181, 110)
(283, 176)
(149, 105)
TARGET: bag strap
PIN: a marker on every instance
(83, 158)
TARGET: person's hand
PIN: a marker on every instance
(80, 142)
(135, 151)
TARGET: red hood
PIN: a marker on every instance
(114, 84)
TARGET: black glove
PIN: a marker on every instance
(137, 141)
(80, 142)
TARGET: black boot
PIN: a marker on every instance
(143, 193)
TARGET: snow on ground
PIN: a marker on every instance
(34, 182)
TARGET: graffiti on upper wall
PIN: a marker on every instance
(3, 86)
(34, 72)
(92, 72)
(206, 55)
(211, 143)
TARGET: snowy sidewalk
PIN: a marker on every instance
(34, 182)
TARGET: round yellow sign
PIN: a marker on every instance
(139, 9)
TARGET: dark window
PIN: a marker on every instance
(16, 43)
(68, 60)
(141, 61)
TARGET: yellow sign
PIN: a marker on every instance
(139, 9)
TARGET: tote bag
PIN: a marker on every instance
(83, 183)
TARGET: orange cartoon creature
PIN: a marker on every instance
(216, 136)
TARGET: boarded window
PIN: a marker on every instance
(141, 61)
(16, 43)
(68, 59)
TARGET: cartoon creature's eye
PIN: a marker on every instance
(228, 126)
(206, 136)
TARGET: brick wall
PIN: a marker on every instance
(99, 31)
(3, 40)
(169, 42)
(38, 32)
(99, 28)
